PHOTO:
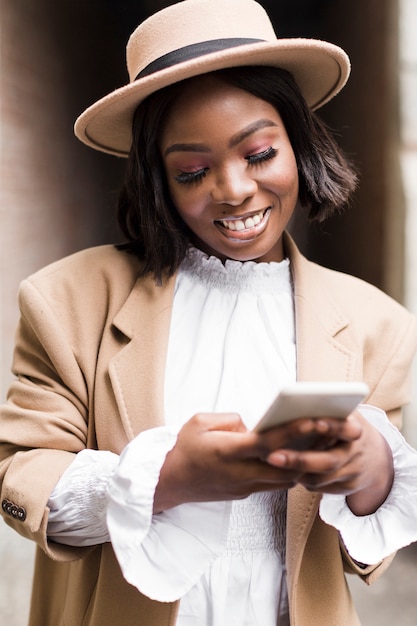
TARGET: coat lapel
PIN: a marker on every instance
(137, 371)
(324, 352)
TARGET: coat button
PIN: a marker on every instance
(18, 512)
(21, 514)
(7, 506)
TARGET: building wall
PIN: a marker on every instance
(408, 170)
(56, 195)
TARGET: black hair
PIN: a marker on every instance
(147, 217)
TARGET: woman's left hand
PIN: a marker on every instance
(359, 464)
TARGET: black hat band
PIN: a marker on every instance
(193, 51)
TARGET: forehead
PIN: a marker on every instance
(208, 102)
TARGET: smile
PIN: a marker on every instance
(244, 224)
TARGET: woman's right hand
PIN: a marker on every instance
(216, 458)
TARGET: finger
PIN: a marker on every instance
(227, 435)
(304, 433)
(255, 475)
(220, 421)
(342, 484)
(346, 429)
(350, 428)
(241, 479)
(330, 473)
(311, 461)
(286, 435)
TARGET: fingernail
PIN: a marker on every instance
(276, 458)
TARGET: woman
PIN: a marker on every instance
(129, 453)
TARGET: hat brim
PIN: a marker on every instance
(320, 69)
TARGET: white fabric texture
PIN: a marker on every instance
(370, 538)
(231, 348)
(78, 504)
(232, 339)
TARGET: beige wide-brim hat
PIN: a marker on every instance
(198, 36)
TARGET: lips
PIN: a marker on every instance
(242, 224)
(243, 229)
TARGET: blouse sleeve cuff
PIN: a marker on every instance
(371, 538)
(162, 555)
(77, 505)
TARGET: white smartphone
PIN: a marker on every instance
(313, 399)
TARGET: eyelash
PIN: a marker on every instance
(187, 178)
(260, 157)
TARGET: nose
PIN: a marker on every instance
(233, 186)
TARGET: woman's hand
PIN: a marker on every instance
(357, 462)
(217, 458)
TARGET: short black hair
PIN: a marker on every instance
(147, 217)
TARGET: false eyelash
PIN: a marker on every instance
(186, 178)
(269, 153)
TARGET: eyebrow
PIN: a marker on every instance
(234, 141)
(249, 130)
(186, 147)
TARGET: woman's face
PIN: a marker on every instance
(231, 170)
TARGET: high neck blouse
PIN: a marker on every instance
(231, 348)
(232, 338)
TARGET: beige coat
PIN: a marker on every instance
(89, 361)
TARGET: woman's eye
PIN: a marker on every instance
(259, 157)
(185, 178)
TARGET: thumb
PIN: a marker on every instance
(226, 421)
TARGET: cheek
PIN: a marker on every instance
(293, 183)
(287, 178)
(188, 202)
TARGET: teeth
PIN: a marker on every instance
(249, 222)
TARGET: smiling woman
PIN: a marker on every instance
(128, 450)
(324, 177)
(229, 164)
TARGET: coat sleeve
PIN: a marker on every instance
(388, 364)
(388, 357)
(44, 422)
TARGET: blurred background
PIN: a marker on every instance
(58, 196)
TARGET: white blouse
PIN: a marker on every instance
(231, 348)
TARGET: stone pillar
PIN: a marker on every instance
(56, 194)
(408, 162)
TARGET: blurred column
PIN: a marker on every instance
(408, 158)
(56, 194)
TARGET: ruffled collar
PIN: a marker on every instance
(236, 275)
